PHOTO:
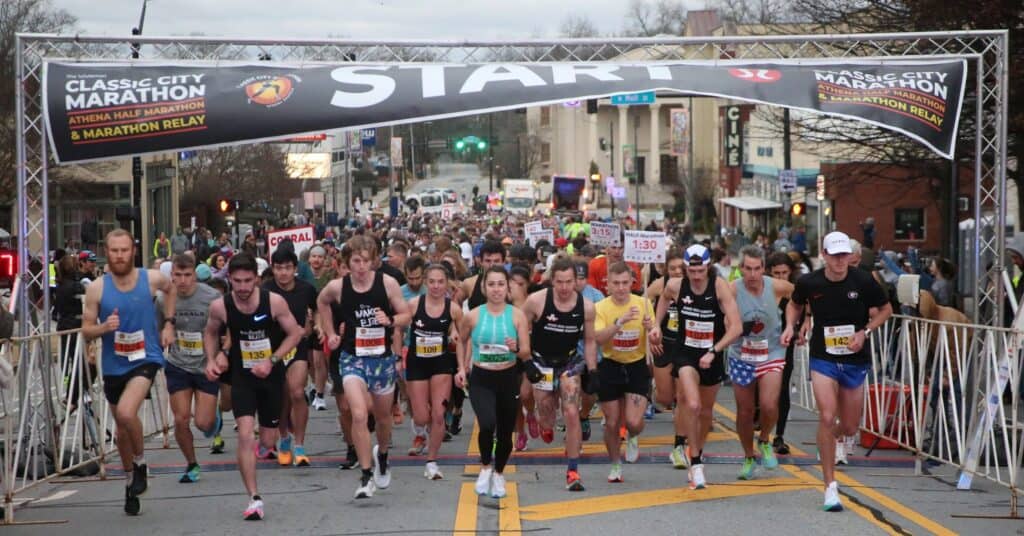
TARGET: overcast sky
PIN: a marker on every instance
(378, 19)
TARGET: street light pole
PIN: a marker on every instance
(137, 223)
(490, 150)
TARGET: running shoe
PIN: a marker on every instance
(381, 476)
(585, 428)
(419, 446)
(432, 471)
(284, 457)
(649, 412)
(131, 502)
(447, 436)
(264, 453)
(615, 475)
(217, 447)
(696, 476)
(678, 457)
(841, 452)
(498, 486)
(483, 481)
(632, 449)
(547, 435)
(140, 479)
(215, 431)
(747, 470)
(573, 482)
(191, 474)
(255, 511)
(520, 442)
(456, 425)
(832, 502)
(768, 459)
(351, 459)
(366, 487)
(318, 403)
(533, 425)
(780, 446)
(301, 460)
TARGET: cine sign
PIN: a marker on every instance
(733, 137)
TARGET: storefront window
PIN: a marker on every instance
(909, 224)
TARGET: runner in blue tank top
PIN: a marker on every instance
(119, 309)
(756, 360)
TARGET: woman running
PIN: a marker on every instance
(494, 335)
(430, 366)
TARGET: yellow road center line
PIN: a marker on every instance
(465, 515)
(662, 497)
(865, 490)
(508, 516)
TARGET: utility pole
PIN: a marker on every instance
(636, 167)
(691, 181)
(787, 162)
(348, 177)
(611, 151)
(490, 150)
(137, 222)
(412, 150)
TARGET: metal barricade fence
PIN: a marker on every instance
(55, 418)
(946, 392)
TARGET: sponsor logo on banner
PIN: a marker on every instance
(270, 91)
(757, 75)
(302, 237)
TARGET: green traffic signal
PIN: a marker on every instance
(460, 145)
(481, 145)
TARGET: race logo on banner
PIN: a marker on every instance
(302, 237)
(645, 246)
(97, 111)
(605, 234)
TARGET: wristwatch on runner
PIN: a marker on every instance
(274, 359)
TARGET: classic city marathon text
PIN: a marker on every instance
(89, 93)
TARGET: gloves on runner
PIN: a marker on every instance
(591, 381)
(532, 372)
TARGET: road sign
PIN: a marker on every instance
(644, 246)
(619, 192)
(820, 194)
(369, 136)
(605, 234)
(787, 181)
(629, 99)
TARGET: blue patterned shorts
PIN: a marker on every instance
(378, 373)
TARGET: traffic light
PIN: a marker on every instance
(799, 209)
(481, 145)
(460, 145)
(225, 205)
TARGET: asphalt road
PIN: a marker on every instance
(881, 493)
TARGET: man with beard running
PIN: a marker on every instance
(560, 318)
(301, 298)
(119, 309)
(371, 307)
(263, 333)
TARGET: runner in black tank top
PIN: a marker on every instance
(708, 323)
(561, 318)
(431, 365)
(370, 307)
(262, 331)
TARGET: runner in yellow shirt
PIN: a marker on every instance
(623, 324)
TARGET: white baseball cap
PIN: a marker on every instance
(836, 243)
(697, 255)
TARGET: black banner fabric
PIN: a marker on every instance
(104, 110)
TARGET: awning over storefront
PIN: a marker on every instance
(750, 203)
